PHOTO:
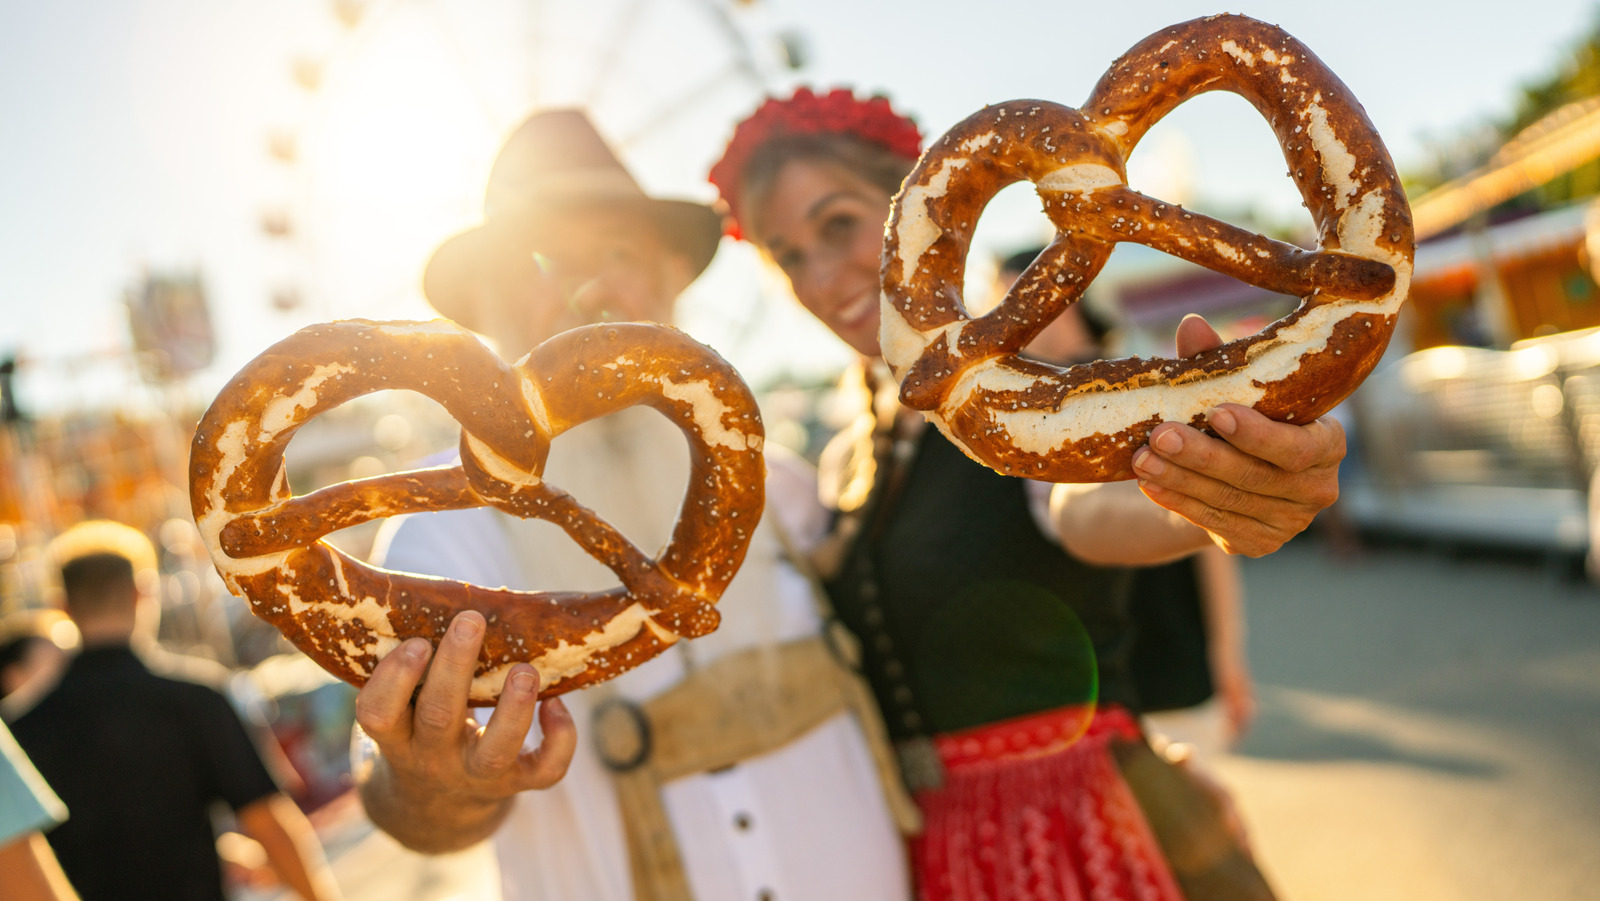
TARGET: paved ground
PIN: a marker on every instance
(1430, 729)
(370, 866)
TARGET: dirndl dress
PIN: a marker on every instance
(1034, 808)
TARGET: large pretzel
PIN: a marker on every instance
(1083, 424)
(346, 615)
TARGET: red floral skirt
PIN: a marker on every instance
(1034, 808)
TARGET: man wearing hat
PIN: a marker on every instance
(611, 251)
(745, 764)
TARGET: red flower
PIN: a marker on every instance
(836, 112)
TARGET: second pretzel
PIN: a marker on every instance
(1083, 424)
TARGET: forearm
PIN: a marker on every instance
(429, 775)
(291, 846)
(29, 871)
(425, 818)
(1114, 524)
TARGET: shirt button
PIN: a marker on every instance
(766, 894)
(742, 822)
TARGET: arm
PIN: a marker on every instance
(1113, 524)
(291, 845)
(1222, 603)
(28, 868)
(1248, 491)
(29, 871)
(436, 782)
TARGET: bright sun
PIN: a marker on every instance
(394, 161)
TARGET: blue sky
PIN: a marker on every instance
(135, 135)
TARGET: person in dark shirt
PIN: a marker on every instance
(1187, 659)
(140, 758)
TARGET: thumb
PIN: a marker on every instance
(1196, 335)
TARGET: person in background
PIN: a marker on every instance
(28, 868)
(10, 413)
(781, 786)
(139, 758)
(33, 653)
(990, 611)
(1188, 661)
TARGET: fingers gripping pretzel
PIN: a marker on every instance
(346, 615)
(1084, 423)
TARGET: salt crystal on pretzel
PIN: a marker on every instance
(1083, 423)
(346, 615)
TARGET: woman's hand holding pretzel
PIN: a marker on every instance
(1249, 489)
(1255, 486)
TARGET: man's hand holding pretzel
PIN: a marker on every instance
(438, 782)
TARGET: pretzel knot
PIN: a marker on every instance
(1083, 424)
(346, 615)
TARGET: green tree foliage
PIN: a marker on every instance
(1575, 78)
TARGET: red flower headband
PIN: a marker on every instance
(836, 112)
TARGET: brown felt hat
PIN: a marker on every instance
(553, 164)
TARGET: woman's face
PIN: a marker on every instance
(823, 227)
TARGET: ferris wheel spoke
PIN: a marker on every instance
(734, 38)
(677, 105)
(472, 76)
(607, 67)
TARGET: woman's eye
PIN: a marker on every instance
(838, 226)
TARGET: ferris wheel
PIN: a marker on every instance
(406, 102)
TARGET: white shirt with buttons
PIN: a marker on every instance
(805, 822)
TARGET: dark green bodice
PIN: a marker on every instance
(966, 613)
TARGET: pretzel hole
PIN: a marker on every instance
(382, 433)
(1070, 337)
(1208, 154)
(1013, 221)
(644, 510)
(1203, 156)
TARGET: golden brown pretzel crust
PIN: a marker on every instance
(347, 615)
(1083, 424)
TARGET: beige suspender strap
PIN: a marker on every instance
(741, 706)
(907, 815)
(858, 697)
(653, 857)
(738, 707)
